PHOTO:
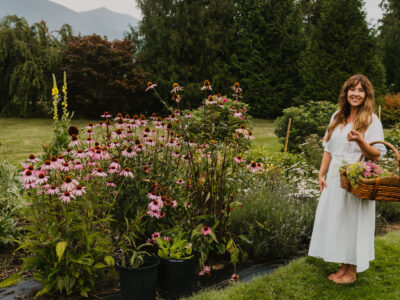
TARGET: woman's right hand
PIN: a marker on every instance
(322, 183)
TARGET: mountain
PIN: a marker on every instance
(100, 21)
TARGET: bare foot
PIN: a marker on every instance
(339, 273)
(346, 278)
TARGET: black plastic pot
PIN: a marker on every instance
(139, 283)
(176, 277)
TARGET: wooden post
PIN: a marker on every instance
(379, 112)
(287, 134)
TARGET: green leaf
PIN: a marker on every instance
(109, 260)
(45, 290)
(60, 249)
(99, 265)
(13, 279)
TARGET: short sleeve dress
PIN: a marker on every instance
(344, 225)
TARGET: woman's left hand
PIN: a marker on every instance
(355, 136)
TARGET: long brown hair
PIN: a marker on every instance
(364, 113)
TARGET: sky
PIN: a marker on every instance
(129, 7)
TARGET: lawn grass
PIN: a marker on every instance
(263, 131)
(306, 278)
(20, 137)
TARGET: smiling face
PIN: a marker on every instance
(356, 95)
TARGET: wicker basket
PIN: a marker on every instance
(380, 189)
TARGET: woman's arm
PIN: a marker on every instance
(326, 160)
(367, 150)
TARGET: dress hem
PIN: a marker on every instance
(342, 261)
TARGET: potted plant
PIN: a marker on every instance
(178, 264)
(137, 268)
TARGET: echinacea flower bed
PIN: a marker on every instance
(119, 183)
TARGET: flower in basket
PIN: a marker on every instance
(362, 169)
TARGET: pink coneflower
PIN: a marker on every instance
(89, 132)
(188, 115)
(28, 176)
(250, 135)
(53, 190)
(78, 166)
(68, 152)
(206, 230)
(79, 191)
(80, 154)
(28, 185)
(140, 148)
(66, 197)
(110, 184)
(32, 158)
(47, 165)
(112, 169)
(156, 204)
(239, 159)
(187, 204)
(259, 166)
(89, 141)
(150, 86)
(236, 88)
(176, 154)
(146, 169)
(180, 181)
(205, 271)
(174, 203)
(55, 162)
(42, 178)
(234, 277)
(128, 152)
(237, 114)
(98, 155)
(106, 115)
(90, 126)
(166, 238)
(99, 172)
(155, 236)
(150, 142)
(115, 164)
(176, 88)
(154, 214)
(65, 167)
(206, 86)
(153, 196)
(74, 141)
(126, 173)
(252, 167)
(69, 184)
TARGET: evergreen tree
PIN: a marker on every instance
(390, 39)
(257, 43)
(340, 45)
(269, 46)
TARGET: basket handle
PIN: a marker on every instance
(396, 152)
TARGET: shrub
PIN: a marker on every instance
(312, 150)
(273, 218)
(311, 118)
(393, 136)
(10, 204)
(391, 109)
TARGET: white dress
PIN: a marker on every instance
(344, 225)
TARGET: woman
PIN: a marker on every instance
(344, 224)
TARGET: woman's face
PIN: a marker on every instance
(356, 95)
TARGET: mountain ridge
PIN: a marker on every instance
(101, 21)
